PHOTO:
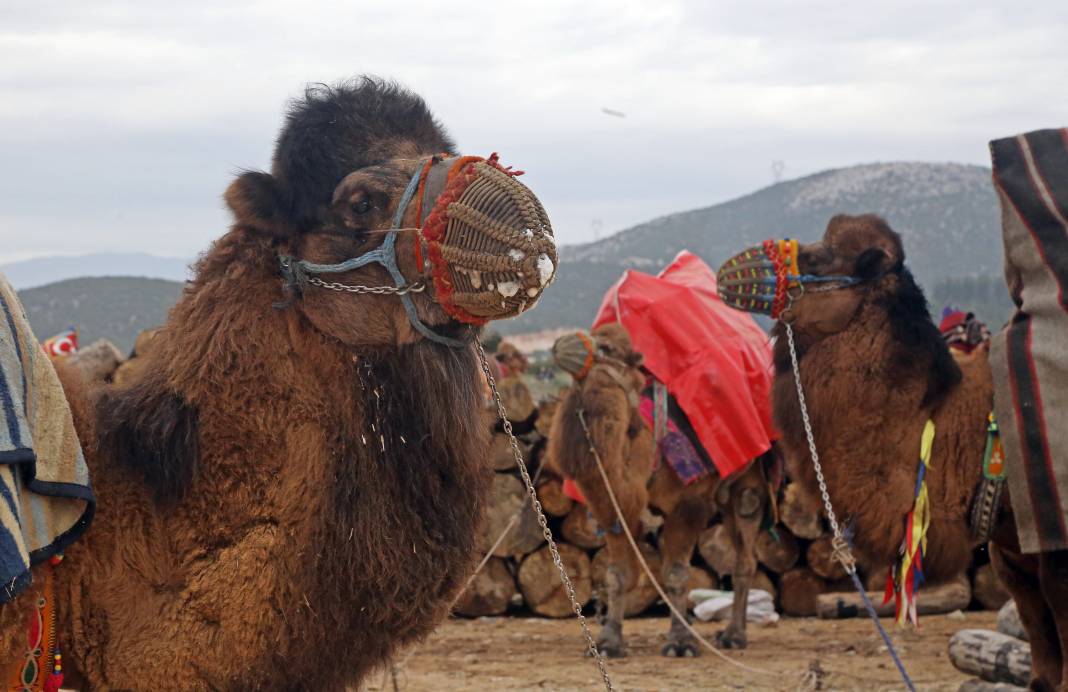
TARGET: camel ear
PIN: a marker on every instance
(872, 262)
(256, 202)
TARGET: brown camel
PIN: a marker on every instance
(290, 487)
(875, 368)
(608, 397)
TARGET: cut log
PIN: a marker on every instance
(552, 497)
(762, 581)
(987, 589)
(581, 529)
(507, 496)
(716, 549)
(993, 656)
(943, 598)
(540, 583)
(501, 456)
(821, 561)
(640, 596)
(977, 685)
(798, 590)
(799, 515)
(490, 591)
(1009, 622)
(515, 395)
(779, 551)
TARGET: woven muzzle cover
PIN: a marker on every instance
(575, 354)
(758, 278)
(489, 245)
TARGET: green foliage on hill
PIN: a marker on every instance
(114, 308)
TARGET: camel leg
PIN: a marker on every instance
(743, 519)
(1020, 575)
(1053, 573)
(677, 540)
(622, 571)
(620, 577)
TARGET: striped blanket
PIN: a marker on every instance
(47, 502)
(1029, 358)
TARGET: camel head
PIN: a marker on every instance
(854, 278)
(614, 346)
(381, 232)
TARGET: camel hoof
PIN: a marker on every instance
(731, 640)
(611, 647)
(611, 650)
(684, 649)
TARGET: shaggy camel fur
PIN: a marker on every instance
(625, 443)
(875, 368)
(290, 488)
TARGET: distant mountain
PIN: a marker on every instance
(115, 308)
(45, 270)
(947, 214)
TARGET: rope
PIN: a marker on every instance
(569, 588)
(842, 551)
(645, 565)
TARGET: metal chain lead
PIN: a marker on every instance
(569, 588)
(841, 546)
(841, 549)
(416, 287)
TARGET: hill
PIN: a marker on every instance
(46, 270)
(115, 308)
(947, 214)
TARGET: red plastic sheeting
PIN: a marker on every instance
(715, 361)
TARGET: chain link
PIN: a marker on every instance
(569, 588)
(840, 545)
(416, 287)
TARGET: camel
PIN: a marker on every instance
(608, 397)
(291, 484)
(874, 369)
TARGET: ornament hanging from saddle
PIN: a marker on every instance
(905, 578)
(987, 500)
(40, 668)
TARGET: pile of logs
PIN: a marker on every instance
(1001, 659)
(796, 565)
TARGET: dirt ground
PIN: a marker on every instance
(532, 653)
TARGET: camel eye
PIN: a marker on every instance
(362, 206)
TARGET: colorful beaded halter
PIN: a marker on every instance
(759, 278)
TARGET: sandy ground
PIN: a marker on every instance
(528, 653)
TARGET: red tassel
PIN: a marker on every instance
(53, 682)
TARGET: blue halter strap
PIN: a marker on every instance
(296, 271)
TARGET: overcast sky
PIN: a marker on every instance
(121, 123)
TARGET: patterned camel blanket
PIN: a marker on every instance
(44, 481)
(1029, 358)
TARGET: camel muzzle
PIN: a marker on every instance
(765, 278)
(484, 242)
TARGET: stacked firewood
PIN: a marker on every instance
(795, 554)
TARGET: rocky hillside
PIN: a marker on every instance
(115, 308)
(947, 214)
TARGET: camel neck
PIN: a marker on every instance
(868, 415)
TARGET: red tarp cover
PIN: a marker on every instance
(715, 361)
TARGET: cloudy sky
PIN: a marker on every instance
(122, 122)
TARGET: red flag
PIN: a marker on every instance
(63, 344)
